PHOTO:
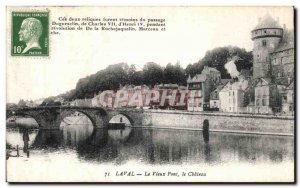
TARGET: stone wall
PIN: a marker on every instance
(221, 122)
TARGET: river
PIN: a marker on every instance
(79, 152)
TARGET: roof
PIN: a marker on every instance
(225, 81)
(130, 86)
(198, 78)
(291, 86)
(168, 85)
(267, 22)
(239, 85)
(142, 87)
(287, 41)
(211, 69)
(219, 88)
(264, 81)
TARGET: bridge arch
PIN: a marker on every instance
(25, 114)
(50, 117)
(68, 112)
(130, 119)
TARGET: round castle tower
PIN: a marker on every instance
(266, 37)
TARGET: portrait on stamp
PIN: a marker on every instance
(30, 34)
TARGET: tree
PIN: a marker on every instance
(22, 103)
(218, 57)
(174, 74)
(153, 74)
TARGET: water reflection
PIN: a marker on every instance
(75, 133)
(21, 137)
(157, 146)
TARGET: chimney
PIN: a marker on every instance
(278, 20)
(284, 27)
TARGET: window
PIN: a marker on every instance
(229, 93)
(257, 102)
(233, 93)
(275, 32)
(263, 102)
(265, 31)
(278, 75)
(264, 43)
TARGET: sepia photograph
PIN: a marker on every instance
(149, 94)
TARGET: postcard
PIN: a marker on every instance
(150, 94)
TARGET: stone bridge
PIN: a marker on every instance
(50, 117)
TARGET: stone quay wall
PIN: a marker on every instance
(222, 122)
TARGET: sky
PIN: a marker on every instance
(190, 32)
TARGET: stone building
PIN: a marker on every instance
(288, 100)
(266, 37)
(273, 64)
(233, 96)
(267, 99)
(214, 101)
(172, 95)
(106, 102)
(81, 102)
(200, 86)
(282, 60)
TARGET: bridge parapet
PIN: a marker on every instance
(50, 117)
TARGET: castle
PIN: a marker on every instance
(270, 89)
(273, 67)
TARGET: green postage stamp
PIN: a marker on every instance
(30, 34)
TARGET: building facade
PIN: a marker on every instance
(200, 86)
(288, 100)
(267, 99)
(233, 96)
(214, 101)
(273, 65)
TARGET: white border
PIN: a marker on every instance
(4, 3)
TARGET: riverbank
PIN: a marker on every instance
(221, 122)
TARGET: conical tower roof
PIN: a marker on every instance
(267, 22)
